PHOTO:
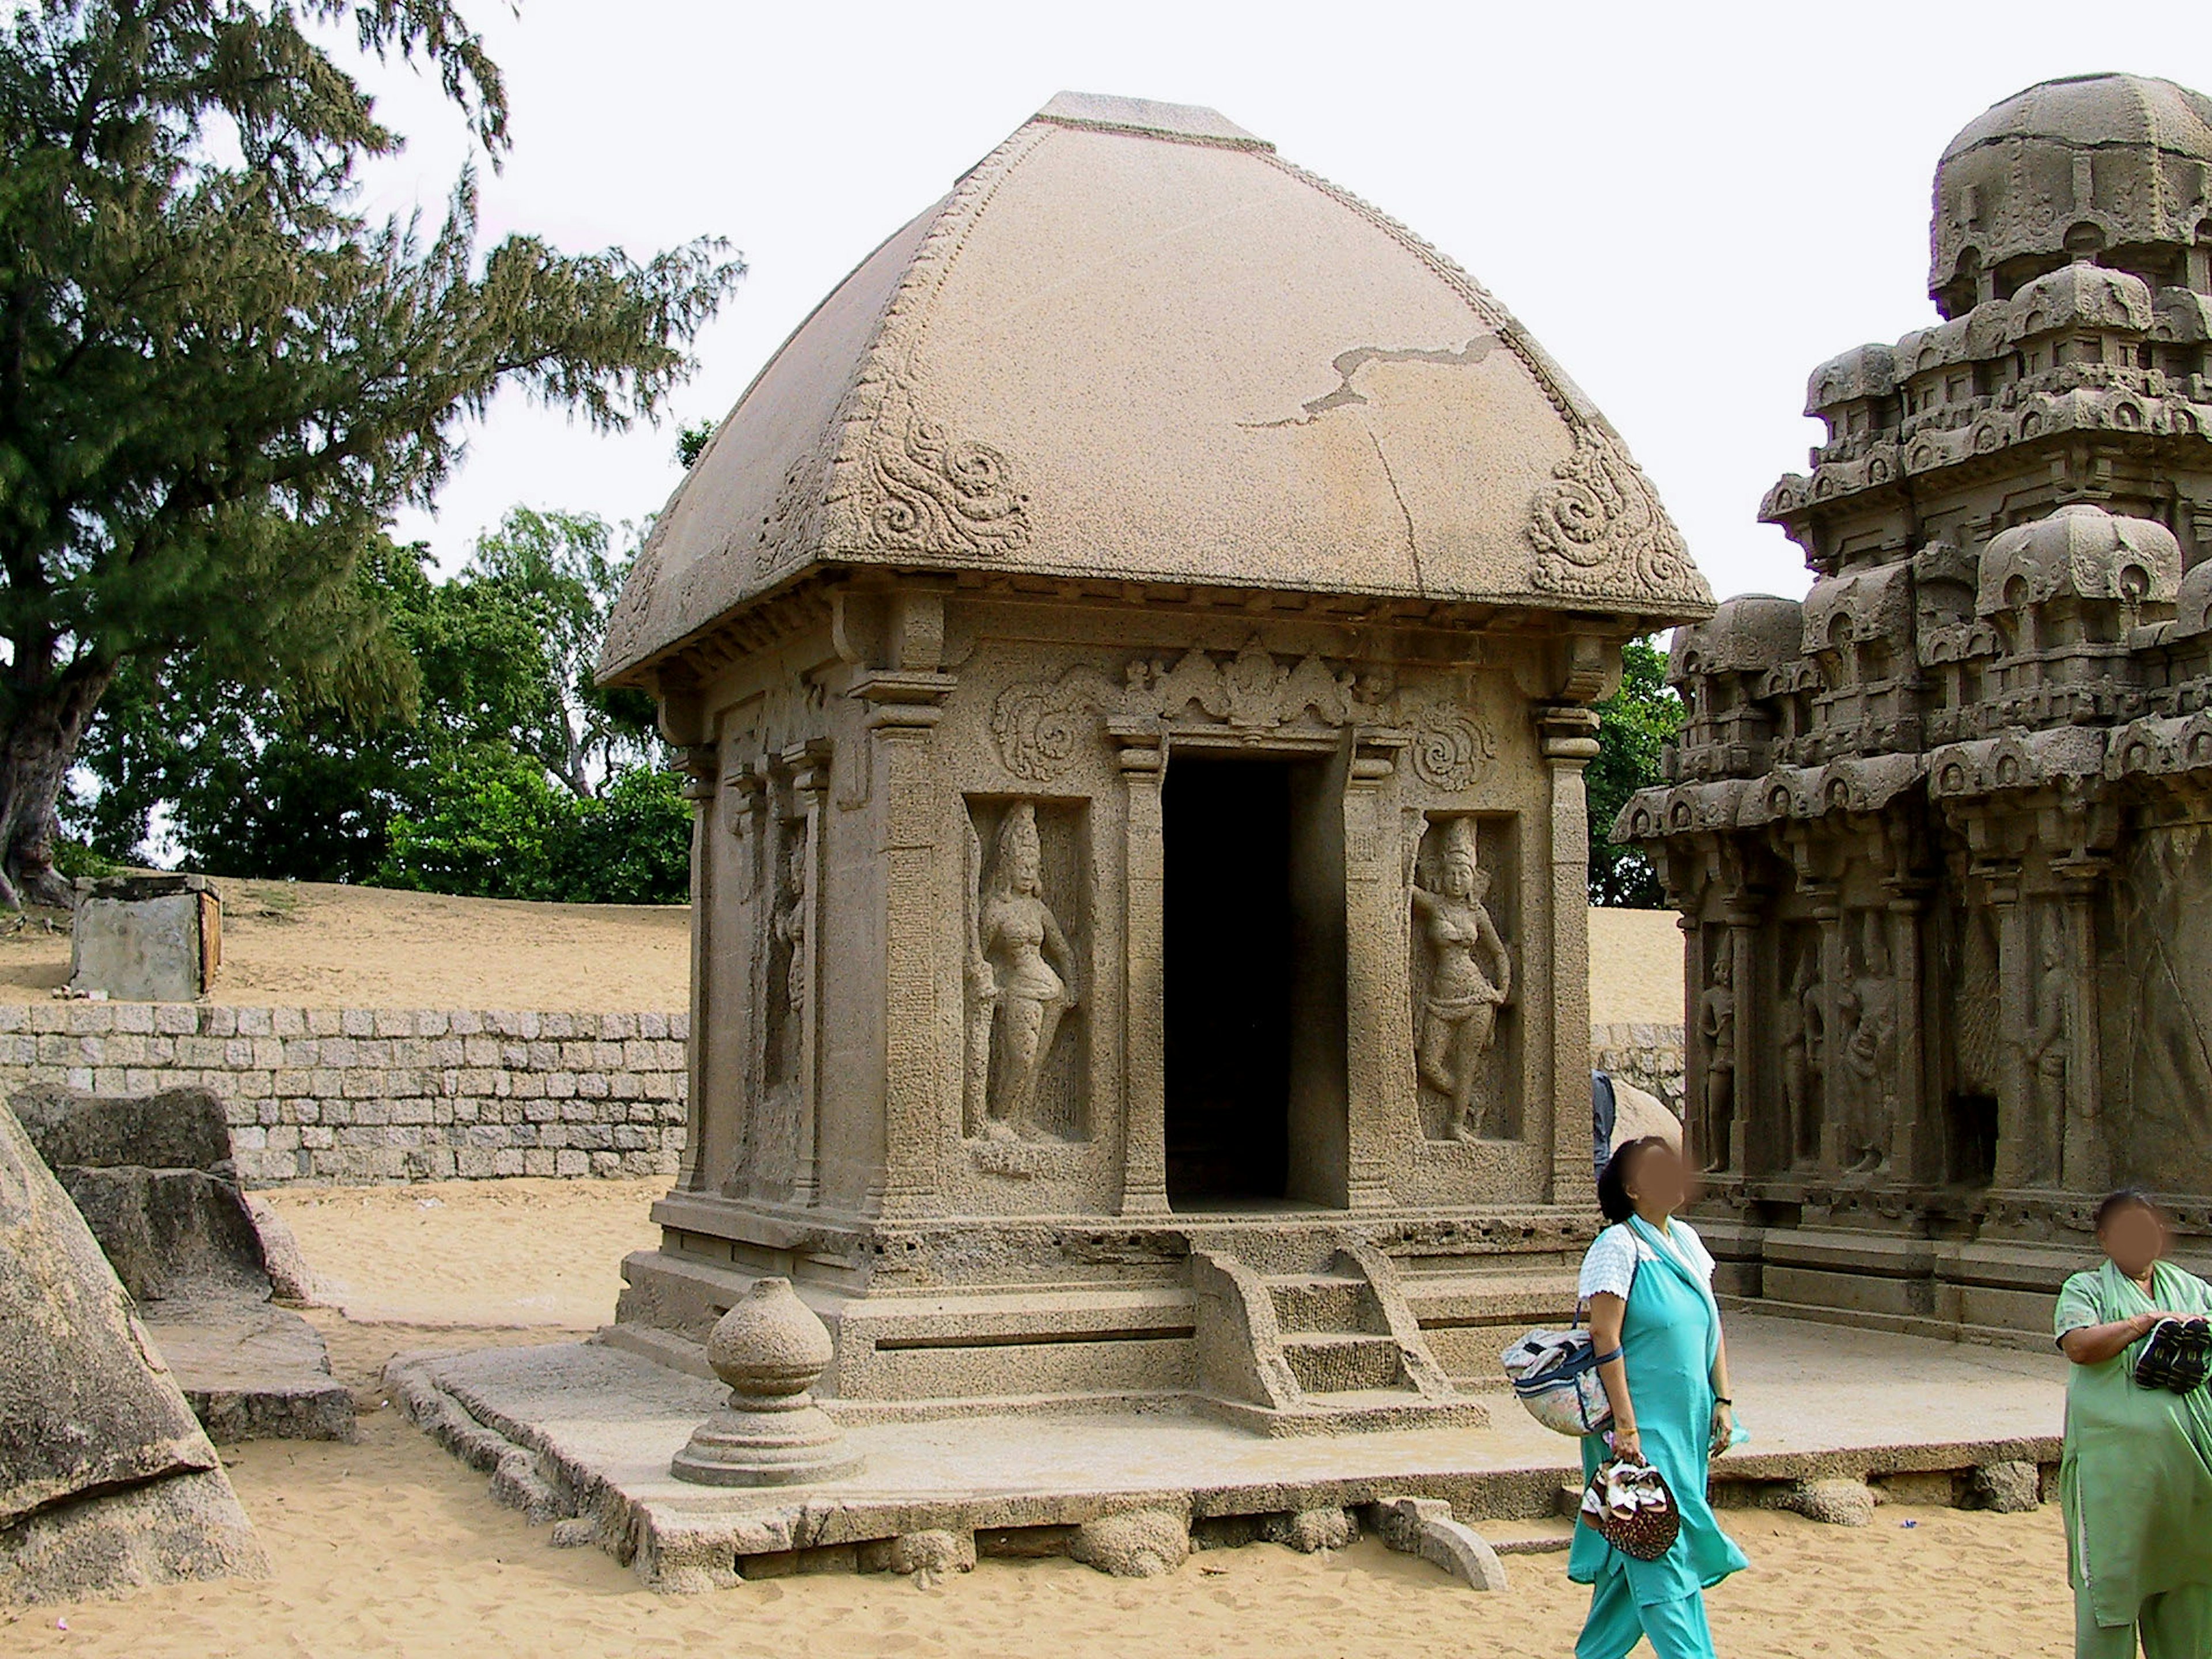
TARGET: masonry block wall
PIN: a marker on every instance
(431, 1094)
(383, 1094)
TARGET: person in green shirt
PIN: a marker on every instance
(2135, 1482)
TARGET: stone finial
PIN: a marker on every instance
(771, 1349)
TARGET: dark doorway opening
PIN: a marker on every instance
(1974, 1149)
(1253, 909)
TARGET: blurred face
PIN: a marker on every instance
(1658, 1180)
(2134, 1238)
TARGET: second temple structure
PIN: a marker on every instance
(1133, 649)
(1939, 833)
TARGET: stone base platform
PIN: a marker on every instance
(252, 1370)
(584, 1431)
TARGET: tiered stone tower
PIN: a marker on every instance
(1937, 833)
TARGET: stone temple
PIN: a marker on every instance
(1936, 833)
(1133, 647)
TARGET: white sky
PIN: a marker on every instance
(1690, 205)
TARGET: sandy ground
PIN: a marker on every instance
(391, 1546)
(1636, 967)
(520, 1252)
(313, 945)
(318, 946)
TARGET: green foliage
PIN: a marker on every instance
(1638, 720)
(73, 858)
(485, 784)
(218, 380)
(497, 827)
(691, 442)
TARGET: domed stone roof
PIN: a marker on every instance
(2113, 161)
(1134, 342)
(2080, 552)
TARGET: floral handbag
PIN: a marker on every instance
(1629, 1504)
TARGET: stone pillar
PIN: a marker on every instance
(809, 781)
(2015, 1151)
(1741, 917)
(1143, 746)
(2085, 1157)
(1380, 1095)
(700, 762)
(1827, 910)
(903, 708)
(1910, 1141)
(1568, 734)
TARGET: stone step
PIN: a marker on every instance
(1534, 1537)
(1323, 1302)
(1336, 1362)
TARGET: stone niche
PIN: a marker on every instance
(1140, 917)
(1935, 832)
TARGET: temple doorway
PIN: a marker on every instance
(1255, 963)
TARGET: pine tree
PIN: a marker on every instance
(218, 380)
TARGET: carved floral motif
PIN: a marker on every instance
(1450, 749)
(1041, 728)
(1598, 529)
(928, 491)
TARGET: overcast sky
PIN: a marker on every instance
(1690, 205)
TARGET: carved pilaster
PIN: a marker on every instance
(903, 708)
(700, 762)
(2085, 1156)
(1380, 1096)
(1143, 746)
(809, 769)
(1913, 1148)
(2015, 1153)
(1568, 736)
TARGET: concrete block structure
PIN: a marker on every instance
(1133, 648)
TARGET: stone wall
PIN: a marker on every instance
(1649, 1056)
(383, 1094)
(428, 1094)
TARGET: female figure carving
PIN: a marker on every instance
(1024, 980)
(1470, 976)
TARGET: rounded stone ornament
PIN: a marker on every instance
(770, 1348)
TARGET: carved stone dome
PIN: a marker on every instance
(1747, 635)
(2080, 552)
(2107, 167)
(1134, 343)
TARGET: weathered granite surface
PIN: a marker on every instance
(1938, 831)
(586, 1430)
(189, 1251)
(106, 1481)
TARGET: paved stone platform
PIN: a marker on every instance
(584, 1431)
(252, 1370)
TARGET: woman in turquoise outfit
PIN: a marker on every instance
(1648, 1281)
(2135, 1482)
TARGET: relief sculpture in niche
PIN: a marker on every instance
(1868, 1003)
(787, 926)
(1804, 1054)
(1021, 980)
(2047, 1052)
(1470, 976)
(1717, 1028)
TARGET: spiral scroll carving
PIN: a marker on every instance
(1598, 529)
(1450, 749)
(1040, 728)
(939, 493)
